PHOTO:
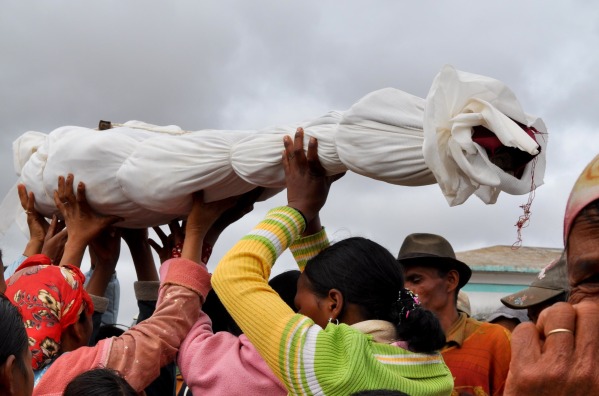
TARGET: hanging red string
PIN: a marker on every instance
(524, 219)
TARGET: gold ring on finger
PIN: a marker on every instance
(555, 331)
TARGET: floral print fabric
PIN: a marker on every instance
(50, 298)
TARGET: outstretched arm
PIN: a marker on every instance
(241, 278)
(157, 339)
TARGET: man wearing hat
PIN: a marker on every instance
(550, 287)
(477, 353)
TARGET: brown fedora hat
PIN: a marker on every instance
(430, 250)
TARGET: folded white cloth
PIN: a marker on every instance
(146, 174)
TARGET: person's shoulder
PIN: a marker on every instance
(495, 331)
(486, 329)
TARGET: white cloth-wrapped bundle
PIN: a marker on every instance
(146, 174)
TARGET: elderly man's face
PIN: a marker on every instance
(583, 258)
(431, 288)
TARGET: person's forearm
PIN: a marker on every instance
(192, 248)
(143, 262)
(34, 246)
(154, 342)
(73, 253)
(241, 281)
(99, 280)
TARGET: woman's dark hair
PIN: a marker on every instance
(369, 276)
(99, 382)
(285, 284)
(14, 340)
(220, 317)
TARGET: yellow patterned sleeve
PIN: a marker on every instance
(241, 281)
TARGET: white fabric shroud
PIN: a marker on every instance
(146, 174)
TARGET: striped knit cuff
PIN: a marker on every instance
(303, 249)
(281, 227)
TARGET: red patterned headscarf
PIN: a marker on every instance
(50, 298)
(585, 191)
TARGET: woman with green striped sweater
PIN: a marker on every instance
(357, 328)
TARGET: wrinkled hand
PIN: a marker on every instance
(169, 242)
(307, 183)
(561, 363)
(55, 239)
(83, 223)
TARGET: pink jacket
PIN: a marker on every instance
(223, 364)
(140, 352)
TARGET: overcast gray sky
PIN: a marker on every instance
(250, 64)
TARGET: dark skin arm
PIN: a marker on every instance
(139, 246)
(243, 205)
(55, 239)
(104, 252)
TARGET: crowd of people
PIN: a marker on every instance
(355, 319)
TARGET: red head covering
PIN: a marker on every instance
(50, 298)
(585, 191)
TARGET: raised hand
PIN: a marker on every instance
(38, 225)
(55, 240)
(104, 251)
(307, 183)
(199, 221)
(171, 244)
(82, 222)
(558, 355)
(243, 205)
